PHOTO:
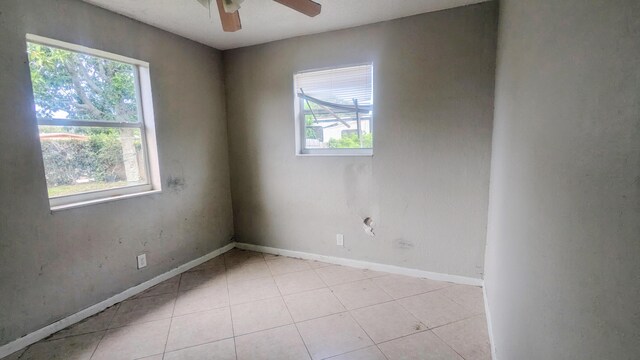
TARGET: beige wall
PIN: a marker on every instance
(53, 265)
(563, 248)
(426, 187)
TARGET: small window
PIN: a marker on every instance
(334, 111)
(93, 127)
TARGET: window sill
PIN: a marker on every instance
(102, 200)
(339, 155)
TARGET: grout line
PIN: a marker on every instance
(191, 346)
(382, 352)
(105, 330)
(175, 301)
(449, 346)
(348, 311)
(348, 352)
(291, 316)
(233, 331)
(267, 329)
(454, 322)
(375, 343)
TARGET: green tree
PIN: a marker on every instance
(82, 87)
(85, 87)
(352, 141)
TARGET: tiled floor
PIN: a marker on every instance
(248, 305)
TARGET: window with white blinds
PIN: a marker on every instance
(334, 111)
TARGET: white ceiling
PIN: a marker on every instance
(266, 20)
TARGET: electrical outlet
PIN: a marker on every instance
(339, 239)
(142, 261)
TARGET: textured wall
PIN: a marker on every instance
(426, 187)
(563, 248)
(53, 265)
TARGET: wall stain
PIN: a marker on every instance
(175, 183)
(402, 244)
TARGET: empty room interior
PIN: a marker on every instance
(297, 179)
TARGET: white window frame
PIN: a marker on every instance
(300, 136)
(146, 125)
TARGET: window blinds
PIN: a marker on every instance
(340, 85)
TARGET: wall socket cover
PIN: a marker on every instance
(142, 261)
(339, 239)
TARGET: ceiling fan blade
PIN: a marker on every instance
(307, 7)
(230, 21)
(232, 6)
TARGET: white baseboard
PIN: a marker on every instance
(364, 264)
(40, 334)
(487, 314)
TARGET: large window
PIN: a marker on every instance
(334, 111)
(95, 122)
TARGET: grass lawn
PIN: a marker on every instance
(80, 188)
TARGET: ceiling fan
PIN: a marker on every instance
(230, 17)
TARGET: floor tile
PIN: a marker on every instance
(468, 337)
(420, 346)
(368, 353)
(387, 321)
(282, 343)
(166, 287)
(209, 302)
(238, 256)
(15, 355)
(248, 271)
(78, 347)
(399, 286)
(202, 278)
(152, 357)
(298, 282)
(199, 328)
(219, 350)
(434, 309)
(217, 262)
(145, 309)
(97, 322)
(252, 290)
(133, 342)
(332, 335)
(259, 315)
(360, 293)
(336, 274)
(313, 304)
(317, 264)
(268, 257)
(285, 265)
(468, 296)
(202, 298)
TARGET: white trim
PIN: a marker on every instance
(89, 196)
(334, 155)
(337, 152)
(85, 50)
(487, 314)
(88, 123)
(300, 127)
(42, 333)
(146, 125)
(148, 117)
(101, 200)
(464, 280)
